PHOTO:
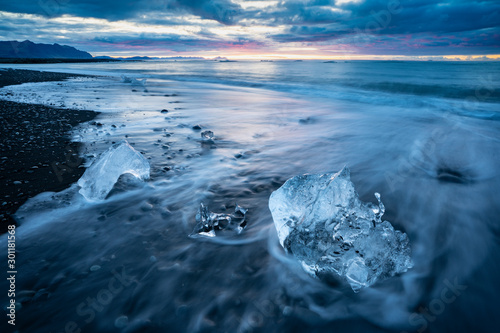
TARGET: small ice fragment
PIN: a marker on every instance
(120, 158)
(95, 268)
(125, 79)
(207, 136)
(208, 222)
(322, 222)
(210, 233)
(134, 81)
(306, 121)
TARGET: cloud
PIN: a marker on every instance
(219, 10)
(391, 27)
(383, 18)
(223, 11)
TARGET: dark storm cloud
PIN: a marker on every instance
(392, 16)
(381, 17)
(222, 11)
(301, 12)
(369, 26)
(218, 10)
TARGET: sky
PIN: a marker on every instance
(259, 29)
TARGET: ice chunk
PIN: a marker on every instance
(322, 222)
(207, 136)
(208, 222)
(126, 79)
(134, 81)
(120, 158)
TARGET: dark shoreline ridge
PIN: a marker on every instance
(36, 153)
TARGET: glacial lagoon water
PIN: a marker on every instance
(425, 135)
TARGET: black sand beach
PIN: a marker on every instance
(36, 154)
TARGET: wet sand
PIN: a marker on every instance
(36, 153)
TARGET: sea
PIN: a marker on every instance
(423, 134)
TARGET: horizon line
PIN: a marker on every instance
(458, 57)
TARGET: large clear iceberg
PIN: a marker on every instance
(99, 179)
(322, 222)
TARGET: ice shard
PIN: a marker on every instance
(207, 136)
(322, 222)
(134, 81)
(101, 176)
(207, 222)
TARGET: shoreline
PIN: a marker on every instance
(36, 153)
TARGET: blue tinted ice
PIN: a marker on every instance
(120, 158)
(207, 136)
(207, 222)
(322, 222)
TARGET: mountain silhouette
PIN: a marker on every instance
(28, 49)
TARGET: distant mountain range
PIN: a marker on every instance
(28, 49)
(29, 52)
(149, 58)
